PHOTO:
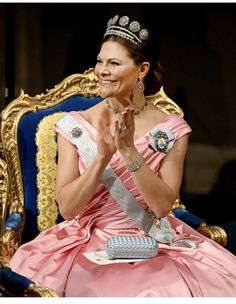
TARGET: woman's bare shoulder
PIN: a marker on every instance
(91, 113)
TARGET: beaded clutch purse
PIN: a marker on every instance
(131, 247)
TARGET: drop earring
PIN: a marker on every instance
(140, 86)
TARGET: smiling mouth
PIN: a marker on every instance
(106, 81)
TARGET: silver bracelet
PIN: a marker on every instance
(136, 164)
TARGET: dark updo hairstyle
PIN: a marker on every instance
(147, 51)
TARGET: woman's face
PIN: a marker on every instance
(116, 71)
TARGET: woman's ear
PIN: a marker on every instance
(144, 68)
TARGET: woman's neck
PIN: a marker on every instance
(117, 106)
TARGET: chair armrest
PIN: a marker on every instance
(10, 237)
(12, 284)
(215, 233)
(188, 218)
(14, 221)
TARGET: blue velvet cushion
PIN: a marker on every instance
(188, 218)
(27, 151)
(13, 282)
(13, 221)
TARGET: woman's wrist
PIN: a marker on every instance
(133, 160)
(128, 155)
(103, 160)
(136, 163)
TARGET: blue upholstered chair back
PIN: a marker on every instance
(27, 152)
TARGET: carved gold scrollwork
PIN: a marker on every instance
(10, 243)
(4, 191)
(178, 204)
(82, 84)
(39, 291)
(164, 103)
(9, 143)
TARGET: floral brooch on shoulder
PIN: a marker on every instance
(162, 141)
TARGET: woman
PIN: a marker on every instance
(127, 139)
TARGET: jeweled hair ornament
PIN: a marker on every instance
(122, 27)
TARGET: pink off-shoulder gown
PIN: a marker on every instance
(55, 257)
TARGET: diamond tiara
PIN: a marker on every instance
(131, 31)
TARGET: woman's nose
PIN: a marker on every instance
(104, 69)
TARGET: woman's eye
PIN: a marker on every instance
(98, 60)
(115, 63)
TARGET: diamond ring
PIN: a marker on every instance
(124, 127)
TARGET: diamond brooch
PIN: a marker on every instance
(162, 141)
(76, 132)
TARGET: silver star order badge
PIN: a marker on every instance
(76, 132)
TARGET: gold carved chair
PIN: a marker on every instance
(28, 167)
